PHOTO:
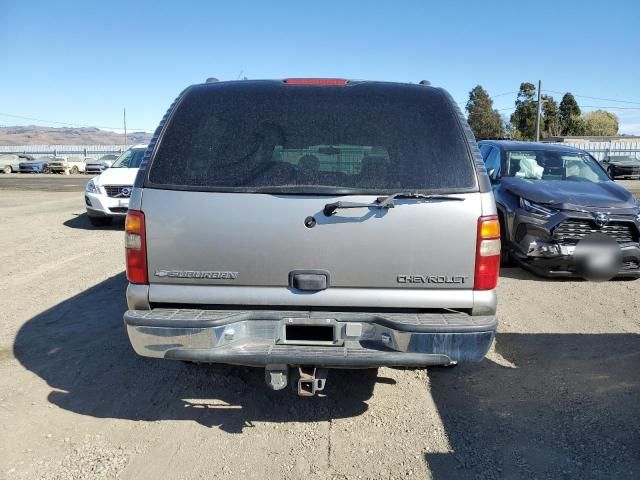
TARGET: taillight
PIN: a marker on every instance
(135, 244)
(487, 253)
(315, 81)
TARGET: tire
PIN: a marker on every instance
(505, 255)
(100, 221)
(74, 170)
(505, 258)
(45, 170)
(7, 169)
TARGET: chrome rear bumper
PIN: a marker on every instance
(259, 337)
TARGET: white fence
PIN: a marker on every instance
(603, 150)
(600, 150)
(85, 150)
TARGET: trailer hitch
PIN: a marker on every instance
(311, 380)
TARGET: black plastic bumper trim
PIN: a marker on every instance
(375, 359)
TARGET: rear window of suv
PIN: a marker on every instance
(361, 138)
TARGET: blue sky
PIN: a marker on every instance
(80, 62)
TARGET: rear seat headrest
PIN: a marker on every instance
(309, 162)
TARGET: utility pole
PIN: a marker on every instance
(124, 118)
(539, 112)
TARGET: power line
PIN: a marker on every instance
(579, 96)
(595, 98)
(503, 94)
(609, 106)
(585, 106)
(490, 96)
(63, 123)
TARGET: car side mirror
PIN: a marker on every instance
(492, 175)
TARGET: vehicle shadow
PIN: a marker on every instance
(80, 348)
(81, 221)
(518, 273)
(556, 406)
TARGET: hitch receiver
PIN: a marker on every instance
(311, 380)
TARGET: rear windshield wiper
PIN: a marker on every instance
(388, 200)
(385, 202)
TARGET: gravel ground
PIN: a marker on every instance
(557, 397)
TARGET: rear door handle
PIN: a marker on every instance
(309, 280)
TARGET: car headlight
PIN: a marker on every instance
(536, 208)
(92, 187)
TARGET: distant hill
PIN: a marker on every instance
(34, 135)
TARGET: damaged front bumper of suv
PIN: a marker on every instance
(305, 338)
(547, 246)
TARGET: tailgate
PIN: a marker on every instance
(246, 239)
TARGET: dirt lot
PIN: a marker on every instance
(558, 396)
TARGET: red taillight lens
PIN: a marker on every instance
(315, 81)
(135, 244)
(487, 253)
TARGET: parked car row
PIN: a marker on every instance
(10, 163)
(25, 163)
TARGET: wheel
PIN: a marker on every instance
(46, 169)
(74, 170)
(100, 221)
(7, 169)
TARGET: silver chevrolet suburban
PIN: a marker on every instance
(306, 224)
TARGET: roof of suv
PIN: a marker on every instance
(311, 82)
(514, 145)
(322, 83)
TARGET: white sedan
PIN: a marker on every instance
(107, 195)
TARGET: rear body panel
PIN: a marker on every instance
(261, 238)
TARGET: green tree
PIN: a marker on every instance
(601, 122)
(571, 122)
(485, 122)
(508, 129)
(523, 120)
(550, 117)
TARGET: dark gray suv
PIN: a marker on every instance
(312, 223)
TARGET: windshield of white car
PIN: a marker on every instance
(129, 159)
(553, 165)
